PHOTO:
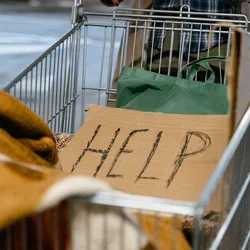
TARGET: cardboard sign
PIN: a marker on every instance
(150, 154)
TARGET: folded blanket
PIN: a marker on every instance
(24, 135)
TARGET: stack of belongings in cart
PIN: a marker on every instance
(108, 145)
(35, 212)
(164, 133)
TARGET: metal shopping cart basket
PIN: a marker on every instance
(81, 68)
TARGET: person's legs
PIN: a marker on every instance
(170, 58)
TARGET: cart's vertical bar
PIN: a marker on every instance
(49, 111)
(26, 88)
(190, 42)
(35, 108)
(14, 90)
(126, 44)
(45, 104)
(75, 15)
(181, 46)
(40, 88)
(75, 86)
(122, 53)
(102, 64)
(73, 82)
(171, 49)
(135, 36)
(53, 54)
(76, 2)
(183, 41)
(152, 47)
(199, 43)
(219, 53)
(67, 81)
(67, 86)
(58, 89)
(55, 87)
(21, 89)
(162, 45)
(208, 50)
(246, 245)
(72, 57)
(143, 41)
(199, 47)
(62, 87)
(73, 89)
(31, 88)
(71, 62)
(55, 90)
(112, 41)
(197, 231)
(85, 40)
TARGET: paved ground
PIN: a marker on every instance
(26, 32)
(24, 36)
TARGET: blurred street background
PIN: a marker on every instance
(28, 28)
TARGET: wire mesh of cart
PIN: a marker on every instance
(82, 68)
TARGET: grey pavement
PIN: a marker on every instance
(24, 36)
(27, 31)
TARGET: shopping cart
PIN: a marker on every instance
(81, 69)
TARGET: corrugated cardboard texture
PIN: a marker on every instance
(149, 154)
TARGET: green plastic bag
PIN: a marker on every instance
(143, 90)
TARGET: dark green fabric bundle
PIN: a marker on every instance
(143, 90)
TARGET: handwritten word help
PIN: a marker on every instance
(124, 149)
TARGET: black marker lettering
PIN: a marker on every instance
(155, 146)
(123, 150)
(184, 151)
(100, 151)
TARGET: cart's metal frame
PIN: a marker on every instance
(56, 87)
